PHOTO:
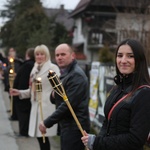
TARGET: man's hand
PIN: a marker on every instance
(53, 94)
(42, 128)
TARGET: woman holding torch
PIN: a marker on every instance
(40, 70)
(127, 115)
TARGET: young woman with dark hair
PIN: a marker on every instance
(127, 109)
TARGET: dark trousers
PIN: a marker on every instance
(44, 146)
(14, 115)
(23, 108)
(71, 139)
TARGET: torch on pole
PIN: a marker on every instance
(39, 95)
(11, 60)
(11, 83)
(59, 89)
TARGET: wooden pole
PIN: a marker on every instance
(59, 89)
(11, 83)
(39, 95)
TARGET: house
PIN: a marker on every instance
(107, 22)
(61, 16)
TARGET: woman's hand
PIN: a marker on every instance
(14, 92)
(85, 138)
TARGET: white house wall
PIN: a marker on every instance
(78, 35)
(135, 22)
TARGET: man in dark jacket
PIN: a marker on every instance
(75, 84)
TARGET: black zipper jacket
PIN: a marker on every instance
(129, 123)
(75, 84)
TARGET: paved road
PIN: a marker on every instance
(8, 140)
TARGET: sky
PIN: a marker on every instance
(68, 4)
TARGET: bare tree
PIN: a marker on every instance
(133, 22)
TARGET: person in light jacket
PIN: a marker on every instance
(41, 67)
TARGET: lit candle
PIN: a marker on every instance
(11, 82)
(38, 85)
(11, 60)
(53, 78)
(11, 78)
(11, 71)
(39, 90)
(55, 82)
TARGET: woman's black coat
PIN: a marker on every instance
(129, 124)
(23, 106)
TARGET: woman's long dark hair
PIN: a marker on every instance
(141, 75)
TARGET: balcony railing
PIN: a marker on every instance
(99, 37)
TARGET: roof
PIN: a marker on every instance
(121, 3)
(62, 16)
(84, 4)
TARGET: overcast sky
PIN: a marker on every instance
(68, 4)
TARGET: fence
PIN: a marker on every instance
(101, 81)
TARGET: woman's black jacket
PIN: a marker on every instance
(129, 124)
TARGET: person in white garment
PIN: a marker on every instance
(41, 67)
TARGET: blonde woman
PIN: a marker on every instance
(41, 67)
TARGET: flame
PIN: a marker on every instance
(11, 71)
(11, 60)
(38, 84)
(51, 73)
(39, 79)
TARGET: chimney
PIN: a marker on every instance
(62, 7)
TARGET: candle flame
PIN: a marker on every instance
(11, 60)
(11, 71)
(38, 84)
(51, 73)
(39, 79)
